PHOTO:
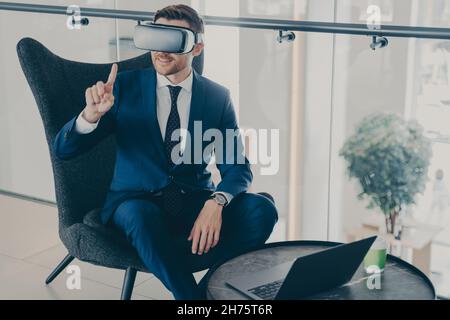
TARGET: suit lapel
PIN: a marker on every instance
(197, 107)
(197, 102)
(148, 90)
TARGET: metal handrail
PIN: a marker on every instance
(254, 23)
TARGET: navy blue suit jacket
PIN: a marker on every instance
(141, 163)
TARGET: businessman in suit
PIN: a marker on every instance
(170, 211)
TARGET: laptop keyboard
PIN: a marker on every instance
(267, 291)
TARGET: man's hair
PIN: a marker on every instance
(181, 12)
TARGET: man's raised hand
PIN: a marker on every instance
(100, 98)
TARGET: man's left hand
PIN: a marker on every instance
(206, 230)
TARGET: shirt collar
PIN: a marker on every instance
(162, 81)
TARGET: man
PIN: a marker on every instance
(172, 214)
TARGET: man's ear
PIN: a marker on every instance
(198, 49)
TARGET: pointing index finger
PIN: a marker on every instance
(112, 74)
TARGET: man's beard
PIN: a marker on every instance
(174, 68)
(167, 72)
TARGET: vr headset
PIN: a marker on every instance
(165, 38)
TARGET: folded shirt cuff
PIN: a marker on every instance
(83, 126)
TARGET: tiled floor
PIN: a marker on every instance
(30, 248)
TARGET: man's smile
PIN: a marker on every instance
(164, 61)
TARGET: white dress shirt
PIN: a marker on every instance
(163, 106)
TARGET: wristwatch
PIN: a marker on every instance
(219, 198)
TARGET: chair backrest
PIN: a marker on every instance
(58, 86)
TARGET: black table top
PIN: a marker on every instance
(399, 281)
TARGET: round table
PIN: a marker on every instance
(399, 280)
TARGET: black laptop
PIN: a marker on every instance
(306, 275)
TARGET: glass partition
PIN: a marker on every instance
(25, 164)
(409, 78)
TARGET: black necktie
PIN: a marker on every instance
(173, 201)
(173, 123)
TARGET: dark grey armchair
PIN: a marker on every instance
(81, 184)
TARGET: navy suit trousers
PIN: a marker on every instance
(161, 239)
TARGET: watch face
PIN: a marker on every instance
(220, 199)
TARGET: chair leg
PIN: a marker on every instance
(61, 266)
(128, 283)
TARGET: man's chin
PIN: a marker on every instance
(165, 72)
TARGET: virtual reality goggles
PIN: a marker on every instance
(165, 38)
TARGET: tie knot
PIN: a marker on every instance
(174, 91)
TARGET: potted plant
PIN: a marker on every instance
(389, 156)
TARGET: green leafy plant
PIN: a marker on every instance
(389, 156)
